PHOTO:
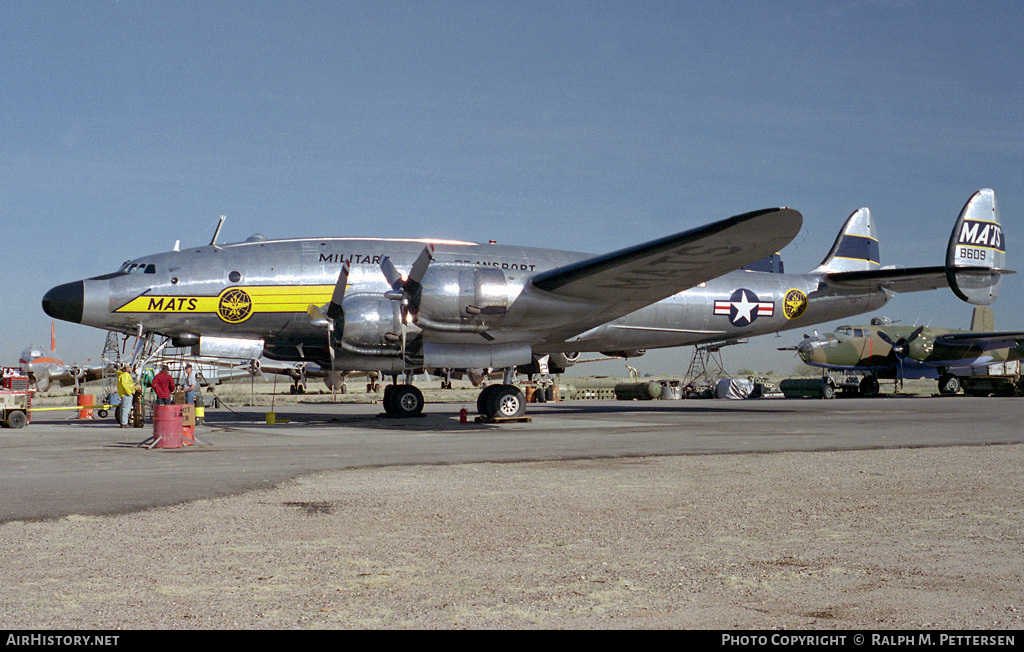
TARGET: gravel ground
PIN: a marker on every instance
(883, 539)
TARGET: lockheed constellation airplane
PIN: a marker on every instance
(400, 305)
(44, 368)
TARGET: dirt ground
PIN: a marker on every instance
(882, 539)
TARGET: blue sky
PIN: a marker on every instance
(587, 126)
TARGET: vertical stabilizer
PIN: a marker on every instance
(975, 246)
(856, 247)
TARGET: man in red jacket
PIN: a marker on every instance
(163, 385)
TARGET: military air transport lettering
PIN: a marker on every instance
(367, 259)
(744, 307)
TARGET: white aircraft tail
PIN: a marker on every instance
(976, 246)
(856, 247)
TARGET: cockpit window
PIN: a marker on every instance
(137, 268)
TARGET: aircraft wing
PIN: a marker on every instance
(629, 279)
(907, 279)
(998, 339)
(574, 298)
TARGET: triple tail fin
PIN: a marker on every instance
(976, 254)
(856, 247)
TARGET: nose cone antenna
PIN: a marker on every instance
(65, 302)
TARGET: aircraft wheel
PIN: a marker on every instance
(406, 401)
(828, 391)
(949, 385)
(507, 402)
(16, 419)
(869, 386)
(484, 399)
(389, 390)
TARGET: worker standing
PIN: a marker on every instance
(125, 390)
(190, 385)
(163, 386)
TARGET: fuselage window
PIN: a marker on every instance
(234, 277)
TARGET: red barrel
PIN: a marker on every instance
(85, 400)
(167, 426)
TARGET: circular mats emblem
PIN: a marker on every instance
(795, 304)
(234, 306)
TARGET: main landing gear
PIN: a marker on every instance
(503, 401)
(403, 401)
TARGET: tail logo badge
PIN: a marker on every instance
(795, 304)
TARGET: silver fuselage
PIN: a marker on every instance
(262, 289)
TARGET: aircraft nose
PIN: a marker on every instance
(65, 302)
(806, 349)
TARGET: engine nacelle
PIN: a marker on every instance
(636, 353)
(372, 326)
(559, 362)
(461, 298)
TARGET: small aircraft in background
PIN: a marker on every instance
(44, 368)
(882, 350)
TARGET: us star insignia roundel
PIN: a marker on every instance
(743, 308)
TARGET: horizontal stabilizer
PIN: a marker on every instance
(908, 279)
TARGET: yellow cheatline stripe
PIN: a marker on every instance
(974, 246)
(265, 298)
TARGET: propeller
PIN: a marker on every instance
(254, 369)
(901, 347)
(407, 290)
(332, 316)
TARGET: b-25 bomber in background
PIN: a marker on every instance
(882, 350)
(401, 305)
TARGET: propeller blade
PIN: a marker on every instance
(317, 315)
(913, 336)
(391, 273)
(419, 268)
(334, 310)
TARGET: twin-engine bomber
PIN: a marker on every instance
(401, 305)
